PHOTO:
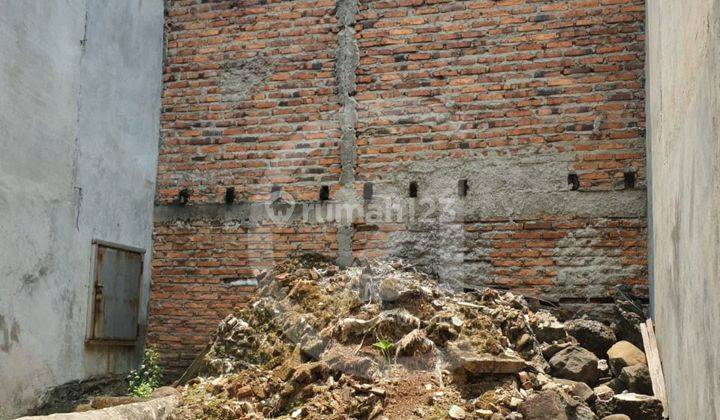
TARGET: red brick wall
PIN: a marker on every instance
(250, 101)
(502, 78)
(559, 258)
(283, 132)
(193, 266)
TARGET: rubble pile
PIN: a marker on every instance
(381, 340)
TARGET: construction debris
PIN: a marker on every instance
(382, 340)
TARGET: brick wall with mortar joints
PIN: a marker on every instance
(552, 258)
(457, 79)
(194, 264)
(248, 99)
(250, 102)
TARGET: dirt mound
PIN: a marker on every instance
(382, 340)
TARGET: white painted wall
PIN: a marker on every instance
(80, 84)
(684, 140)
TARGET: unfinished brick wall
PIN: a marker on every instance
(200, 272)
(249, 99)
(536, 106)
(466, 79)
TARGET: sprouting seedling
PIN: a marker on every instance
(384, 346)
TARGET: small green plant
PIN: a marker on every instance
(142, 382)
(384, 346)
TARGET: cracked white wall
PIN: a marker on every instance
(79, 116)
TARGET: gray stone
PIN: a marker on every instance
(549, 350)
(635, 406)
(616, 417)
(155, 409)
(615, 384)
(637, 379)
(629, 316)
(604, 367)
(467, 360)
(592, 335)
(575, 363)
(555, 404)
(545, 405)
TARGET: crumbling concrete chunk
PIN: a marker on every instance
(575, 363)
(310, 372)
(350, 328)
(547, 328)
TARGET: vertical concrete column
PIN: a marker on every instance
(346, 61)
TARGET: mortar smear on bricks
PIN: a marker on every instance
(512, 130)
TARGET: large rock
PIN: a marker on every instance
(575, 363)
(550, 349)
(592, 335)
(546, 405)
(554, 404)
(630, 315)
(467, 360)
(622, 354)
(635, 406)
(637, 379)
(616, 417)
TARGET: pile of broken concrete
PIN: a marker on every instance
(382, 340)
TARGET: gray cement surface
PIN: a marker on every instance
(683, 92)
(81, 83)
